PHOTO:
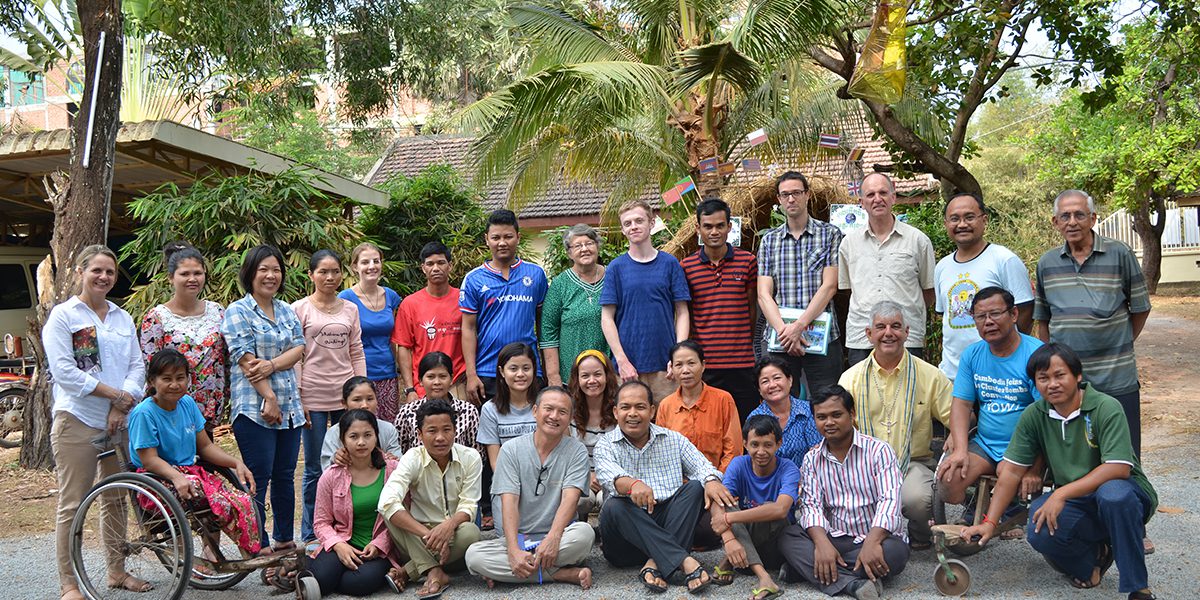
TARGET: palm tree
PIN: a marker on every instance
(633, 94)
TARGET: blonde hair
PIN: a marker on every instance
(358, 250)
(632, 204)
(89, 252)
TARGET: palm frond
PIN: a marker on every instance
(774, 31)
(716, 61)
(563, 38)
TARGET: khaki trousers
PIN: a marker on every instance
(659, 384)
(490, 558)
(421, 560)
(76, 465)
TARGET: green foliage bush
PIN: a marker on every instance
(225, 216)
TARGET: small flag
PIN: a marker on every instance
(751, 164)
(671, 196)
(828, 140)
(857, 153)
(757, 137)
(708, 165)
(685, 185)
(726, 168)
(854, 188)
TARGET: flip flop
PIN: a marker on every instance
(136, 586)
(771, 593)
(437, 594)
(397, 580)
(698, 574)
(650, 585)
(722, 577)
(1104, 560)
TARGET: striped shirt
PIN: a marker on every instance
(248, 330)
(798, 263)
(1088, 308)
(663, 463)
(850, 497)
(721, 294)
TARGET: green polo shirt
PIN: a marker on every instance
(1098, 433)
(1088, 307)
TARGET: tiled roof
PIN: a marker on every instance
(410, 155)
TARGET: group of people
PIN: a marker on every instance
(639, 389)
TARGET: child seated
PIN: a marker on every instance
(166, 434)
(358, 393)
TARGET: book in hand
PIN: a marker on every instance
(816, 334)
(529, 543)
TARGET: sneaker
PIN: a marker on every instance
(867, 590)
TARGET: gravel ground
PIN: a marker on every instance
(1007, 569)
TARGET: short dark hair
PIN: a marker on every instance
(178, 251)
(791, 176)
(432, 361)
(254, 257)
(635, 383)
(555, 389)
(321, 255)
(832, 391)
(713, 206)
(1040, 359)
(435, 407)
(167, 359)
(978, 198)
(433, 248)
(353, 382)
(762, 425)
(503, 399)
(351, 417)
(992, 290)
(771, 360)
(502, 216)
(687, 345)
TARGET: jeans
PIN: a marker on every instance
(314, 437)
(271, 454)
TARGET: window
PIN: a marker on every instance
(75, 79)
(26, 89)
(14, 287)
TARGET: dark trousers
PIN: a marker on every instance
(819, 371)
(761, 542)
(855, 356)
(1112, 514)
(740, 384)
(799, 551)
(631, 535)
(1132, 403)
(271, 454)
(314, 438)
(705, 538)
(335, 578)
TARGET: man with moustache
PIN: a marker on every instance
(539, 478)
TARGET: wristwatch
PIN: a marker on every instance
(409, 390)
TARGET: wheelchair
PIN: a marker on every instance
(172, 544)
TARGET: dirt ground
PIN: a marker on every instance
(1166, 354)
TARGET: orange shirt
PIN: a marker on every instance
(711, 424)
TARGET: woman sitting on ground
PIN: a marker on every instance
(435, 371)
(356, 557)
(166, 434)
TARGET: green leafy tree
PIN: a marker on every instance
(225, 216)
(295, 131)
(1142, 149)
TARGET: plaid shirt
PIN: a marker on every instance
(661, 464)
(850, 497)
(248, 330)
(797, 264)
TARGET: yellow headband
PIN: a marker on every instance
(596, 353)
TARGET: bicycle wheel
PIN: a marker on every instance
(152, 543)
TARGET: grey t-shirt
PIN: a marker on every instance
(517, 472)
(495, 428)
(389, 442)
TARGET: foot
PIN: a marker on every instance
(918, 546)
(651, 575)
(399, 578)
(72, 593)
(766, 587)
(435, 583)
(487, 524)
(1148, 546)
(1144, 594)
(697, 577)
(491, 583)
(723, 573)
(581, 576)
(867, 590)
(128, 582)
(1015, 533)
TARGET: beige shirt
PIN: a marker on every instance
(899, 269)
(899, 406)
(436, 494)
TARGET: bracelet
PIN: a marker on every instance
(989, 521)
(635, 482)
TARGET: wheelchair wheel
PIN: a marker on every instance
(210, 543)
(154, 544)
(961, 578)
(308, 589)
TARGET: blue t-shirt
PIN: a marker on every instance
(752, 490)
(645, 295)
(505, 309)
(172, 433)
(1002, 388)
(377, 333)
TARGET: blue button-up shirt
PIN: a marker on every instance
(248, 330)
(799, 435)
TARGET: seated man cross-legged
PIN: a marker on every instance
(1101, 501)
(767, 487)
(850, 535)
(442, 480)
(650, 515)
(539, 478)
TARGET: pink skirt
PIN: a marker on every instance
(385, 394)
(232, 509)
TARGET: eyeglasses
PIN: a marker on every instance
(796, 194)
(541, 485)
(994, 315)
(968, 219)
(1078, 215)
(582, 245)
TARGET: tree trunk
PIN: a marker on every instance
(1151, 238)
(81, 204)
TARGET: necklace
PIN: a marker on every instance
(332, 308)
(368, 300)
(889, 405)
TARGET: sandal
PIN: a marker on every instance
(1140, 595)
(438, 594)
(771, 593)
(72, 594)
(1104, 560)
(650, 585)
(695, 575)
(130, 583)
(397, 580)
(721, 576)
(487, 523)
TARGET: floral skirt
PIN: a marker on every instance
(386, 394)
(232, 509)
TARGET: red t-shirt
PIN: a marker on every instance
(426, 324)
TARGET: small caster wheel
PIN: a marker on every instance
(956, 582)
(307, 589)
(965, 548)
